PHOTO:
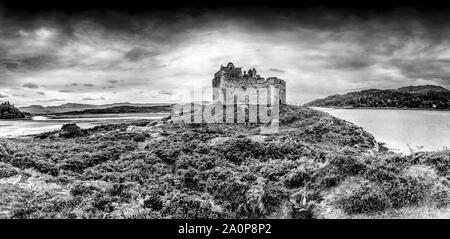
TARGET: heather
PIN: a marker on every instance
(316, 166)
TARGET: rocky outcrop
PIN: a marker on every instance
(71, 131)
(8, 111)
(296, 122)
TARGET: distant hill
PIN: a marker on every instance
(8, 111)
(69, 107)
(122, 109)
(411, 97)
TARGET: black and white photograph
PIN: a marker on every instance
(226, 111)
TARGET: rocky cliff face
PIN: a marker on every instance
(8, 111)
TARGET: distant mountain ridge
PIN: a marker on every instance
(71, 107)
(410, 97)
(122, 109)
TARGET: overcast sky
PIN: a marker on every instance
(100, 58)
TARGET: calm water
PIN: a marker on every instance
(40, 124)
(401, 129)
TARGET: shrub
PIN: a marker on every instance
(440, 194)
(124, 192)
(226, 186)
(405, 191)
(22, 160)
(273, 196)
(77, 163)
(275, 169)
(283, 149)
(4, 155)
(154, 202)
(297, 178)
(383, 169)
(182, 206)
(136, 171)
(197, 161)
(347, 165)
(440, 161)
(365, 197)
(167, 151)
(102, 202)
(46, 166)
(6, 170)
(415, 185)
(190, 178)
(238, 150)
(337, 169)
(253, 206)
(83, 189)
(303, 211)
(139, 138)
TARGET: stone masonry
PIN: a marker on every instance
(231, 77)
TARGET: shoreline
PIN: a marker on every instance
(405, 148)
(378, 108)
(86, 125)
(52, 117)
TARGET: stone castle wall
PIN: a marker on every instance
(235, 81)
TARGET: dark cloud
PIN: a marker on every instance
(137, 54)
(36, 62)
(30, 85)
(89, 98)
(64, 91)
(277, 70)
(437, 70)
(350, 62)
(156, 50)
(3, 96)
(51, 100)
(40, 93)
(165, 92)
(9, 64)
(171, 26)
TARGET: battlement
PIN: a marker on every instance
(232, 77)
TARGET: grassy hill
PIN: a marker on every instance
(414, 97)
(316, 166)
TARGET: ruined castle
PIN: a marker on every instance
(238, 98)
(231, 77)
